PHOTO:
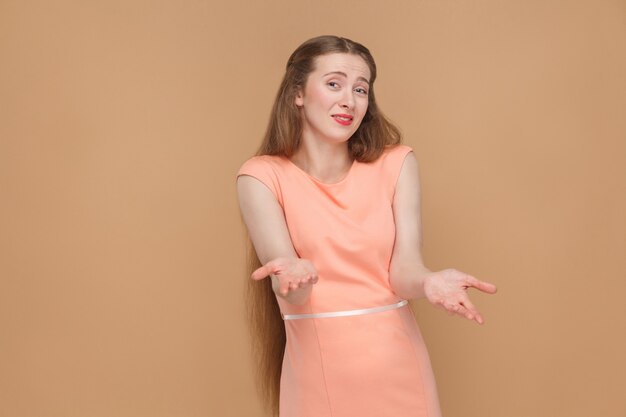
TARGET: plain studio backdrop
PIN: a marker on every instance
(123, 124)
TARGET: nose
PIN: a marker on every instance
(347, 101)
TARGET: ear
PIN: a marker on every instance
(299, 100)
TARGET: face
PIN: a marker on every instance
(335, 97)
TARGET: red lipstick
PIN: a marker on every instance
(343, 119)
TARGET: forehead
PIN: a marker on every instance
(351, 64)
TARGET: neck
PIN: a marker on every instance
(328, 162)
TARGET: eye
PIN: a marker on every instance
(361, 90)
(333, 83)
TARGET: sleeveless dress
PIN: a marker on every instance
(369, 365)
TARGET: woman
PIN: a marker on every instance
(331, 205)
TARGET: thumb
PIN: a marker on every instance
(263, 271)
(485, 287)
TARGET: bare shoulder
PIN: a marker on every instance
(248, 186)
(409, 174)
(264, 219)
(256, 200)
(407, 214)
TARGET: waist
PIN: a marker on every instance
(345, 313)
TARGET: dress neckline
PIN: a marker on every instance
(341, 181)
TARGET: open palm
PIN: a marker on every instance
(448, 289)
(292, 273)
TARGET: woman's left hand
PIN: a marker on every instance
(448, 289)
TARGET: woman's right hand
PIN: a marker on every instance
(292, 274)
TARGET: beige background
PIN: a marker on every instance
(123, 124)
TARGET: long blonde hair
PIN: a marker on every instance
(282, 137)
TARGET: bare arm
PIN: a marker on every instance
(265, 221)
(407, 269)
(408, 276)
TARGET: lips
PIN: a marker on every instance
(343, 119)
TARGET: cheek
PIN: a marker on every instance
(319, 97)
(364, 108)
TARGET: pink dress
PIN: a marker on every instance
(370, 365)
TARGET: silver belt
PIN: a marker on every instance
(344, 313)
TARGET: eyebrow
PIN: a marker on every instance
(346, 75)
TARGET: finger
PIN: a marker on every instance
(473, 310)
(465, 302)
(311, 279)
(452, 308)
(284, 287)
(482, 285)
(463, 312)
(460, 309)
(263, 271)
(259, 273)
